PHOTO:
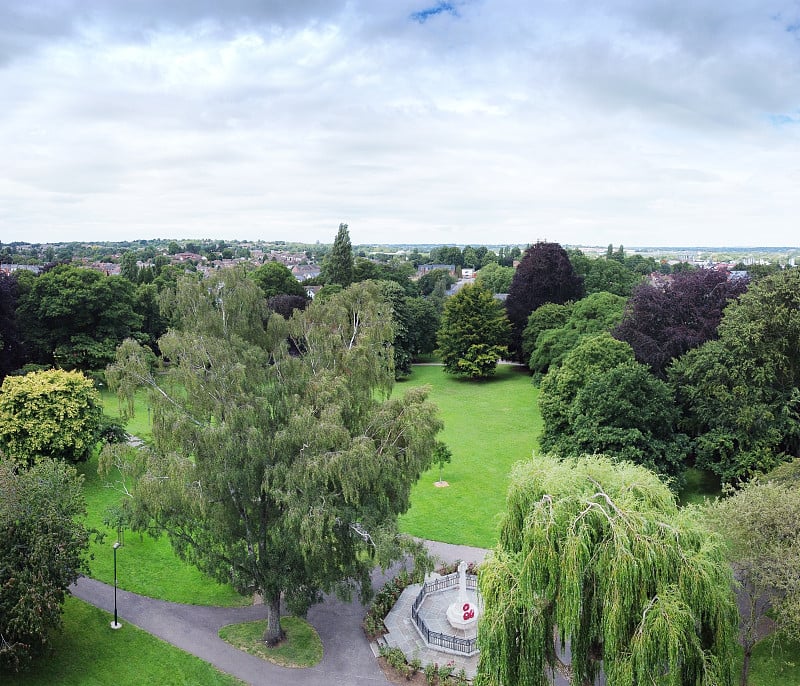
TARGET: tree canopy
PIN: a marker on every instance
(740, 394)
(280, 473)
(51, 413)
(496, 277)
(76, 317)
(603, 401)
(663, 322)
(275, 279)
(597, 554)
(474, 332)
(43, 545)
(544, 275)
(595, 313)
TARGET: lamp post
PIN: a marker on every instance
(115, 624)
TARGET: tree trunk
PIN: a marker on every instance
(748, 652)
(273, 634)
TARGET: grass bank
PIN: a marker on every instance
(87, 652)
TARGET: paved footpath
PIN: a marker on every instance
(347, 659)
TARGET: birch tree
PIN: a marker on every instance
(280, 473)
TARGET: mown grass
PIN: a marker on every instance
(87, 652)
(301, 648)
(145, 565)
(488, 426)
(774, 663)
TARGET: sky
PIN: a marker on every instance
(634, 122)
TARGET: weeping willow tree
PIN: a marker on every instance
(595, 555)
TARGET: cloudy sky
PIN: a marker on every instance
(640, 122)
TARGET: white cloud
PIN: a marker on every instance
(624, 122)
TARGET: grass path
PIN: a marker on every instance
(488, 426)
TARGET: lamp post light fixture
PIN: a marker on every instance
(115, 624)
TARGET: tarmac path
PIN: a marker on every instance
(347, 660)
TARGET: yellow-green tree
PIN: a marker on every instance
(596, 554)
(51, 413)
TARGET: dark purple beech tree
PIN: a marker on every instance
(545, 275)
(663, 322)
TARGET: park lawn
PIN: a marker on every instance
(140, 424)
(145, 565)
(774, 663)
(488, 426)
(87, 652)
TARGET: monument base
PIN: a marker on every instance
(462, 615)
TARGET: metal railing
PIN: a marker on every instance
(456, 644)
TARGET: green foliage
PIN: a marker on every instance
(474, 333)
(51, 413)
(740, 394)
(77, 317)
(543, 318)
(285, 473)
(759, 525)
(338, 265)
(428, 281)
(495, 277)
(594, 313)
(618, 408)
(593, 355)
(42, 552)
(275, 278)
(598, 554)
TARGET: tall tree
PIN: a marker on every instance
(759, 525)
(287, 471)
(662, 322)
(598, 555)
(544, 275)
(43, 544)
(740, 395)
(474, 333)
(338, 265)
(51, 413)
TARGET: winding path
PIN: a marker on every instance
(347, 658)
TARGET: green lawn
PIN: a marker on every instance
(301, 648)
(87, 652)
(488, 426)
(144, 565)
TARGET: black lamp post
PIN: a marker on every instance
(115, 624)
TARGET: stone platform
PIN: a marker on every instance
(403, 633)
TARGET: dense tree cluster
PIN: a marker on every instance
(662, 322)
(51, 413)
